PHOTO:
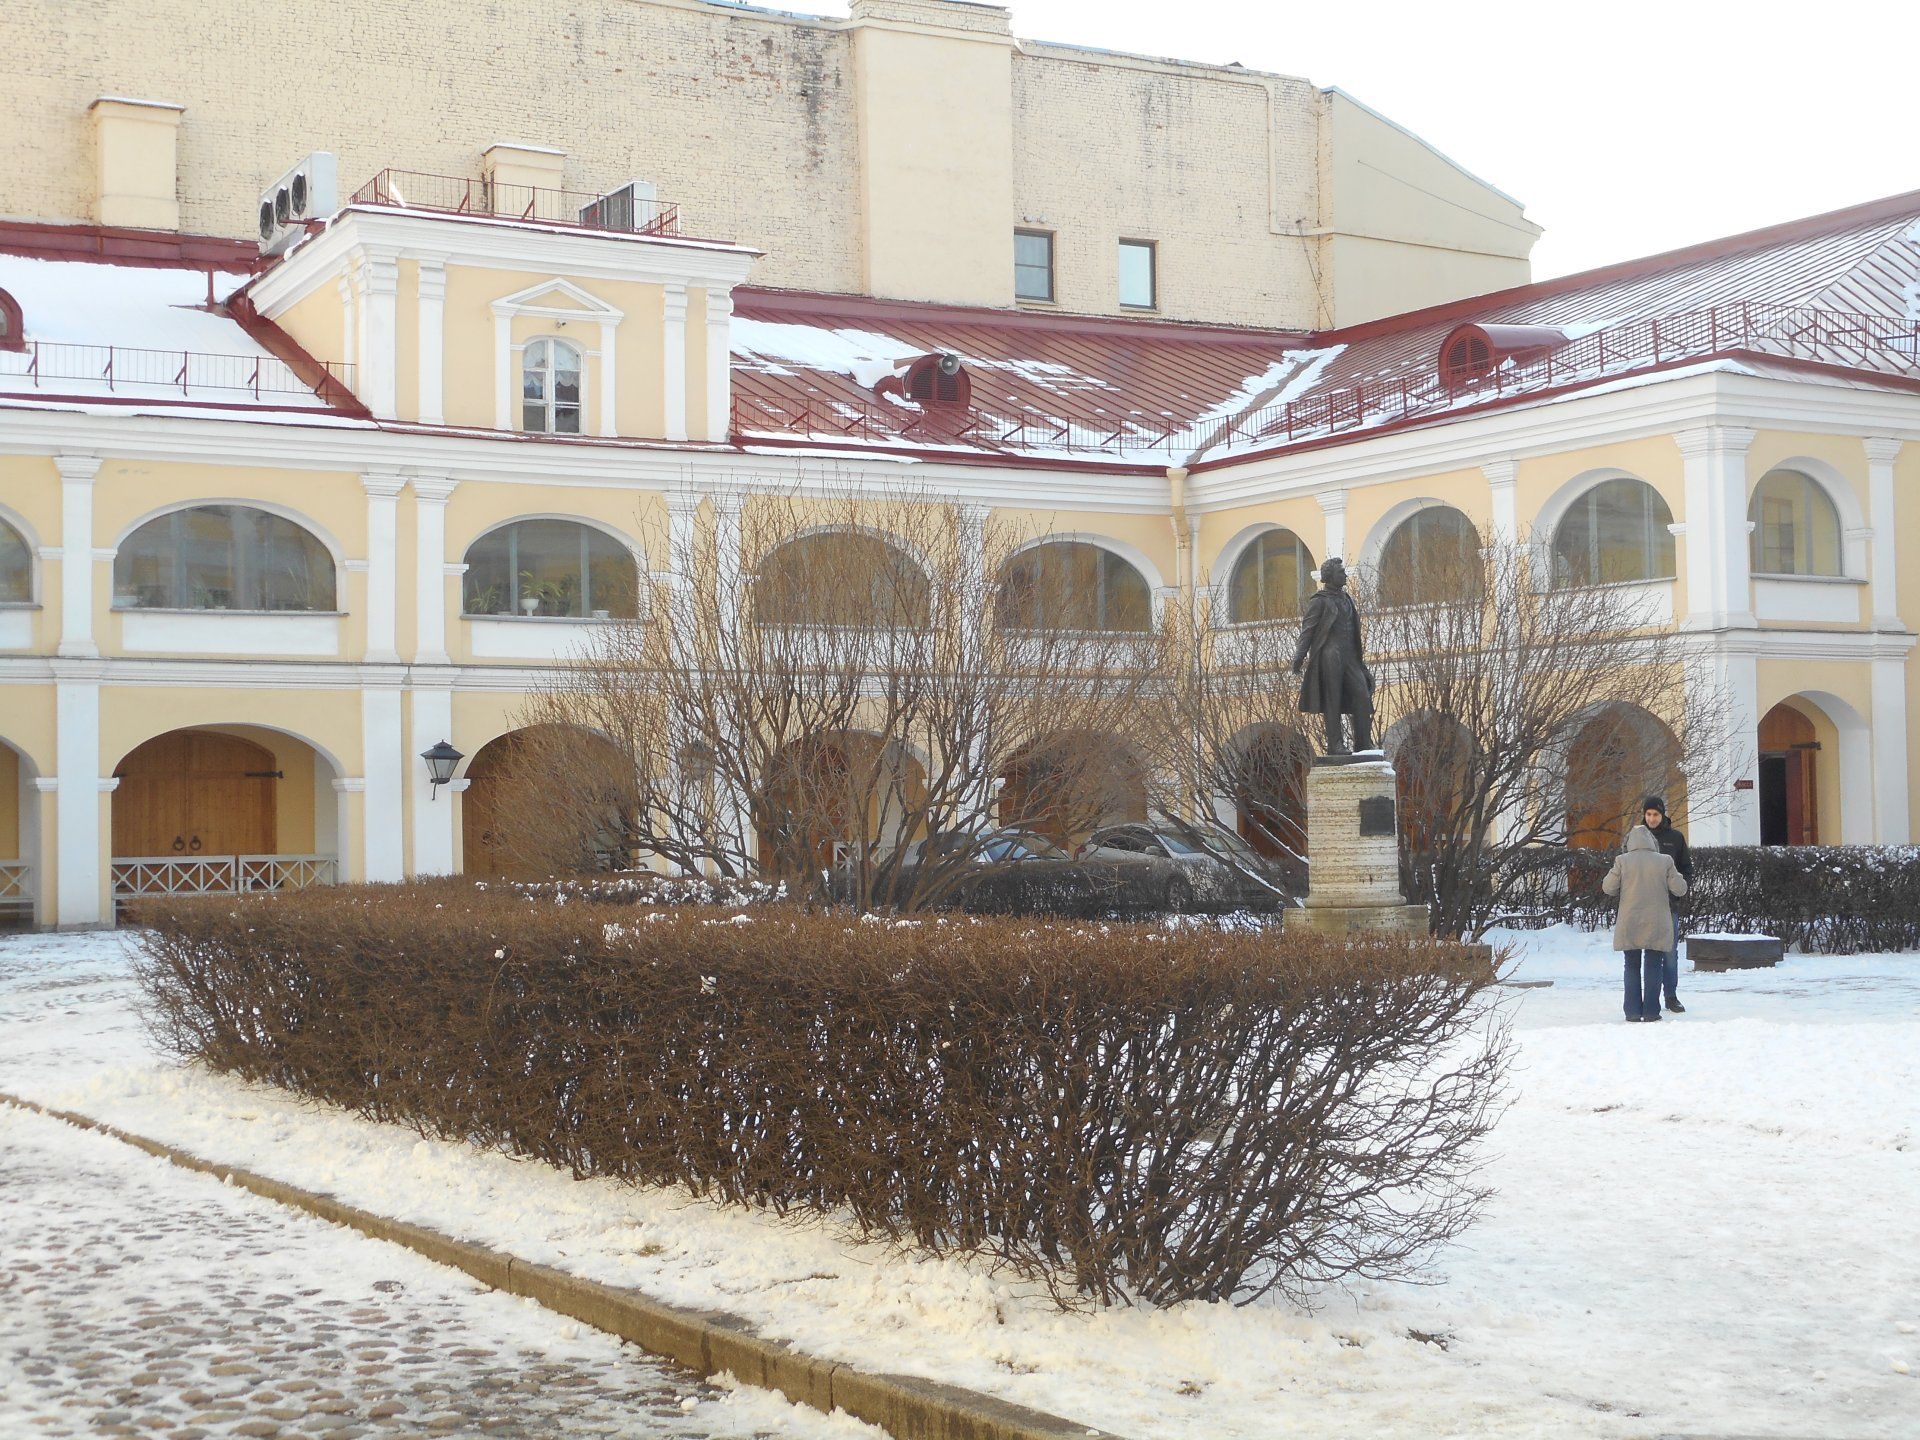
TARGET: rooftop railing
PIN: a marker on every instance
(617, 212)
(1868, 342)
(116, 368)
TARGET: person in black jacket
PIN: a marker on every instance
(1674, 846)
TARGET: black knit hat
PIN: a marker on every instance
(1654, 802)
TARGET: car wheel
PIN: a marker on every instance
(1178, 898)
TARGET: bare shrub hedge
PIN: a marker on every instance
(1822, 899)
(1121, 1111)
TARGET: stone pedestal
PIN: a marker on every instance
(1353, 851)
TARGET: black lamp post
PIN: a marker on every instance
(441, 761)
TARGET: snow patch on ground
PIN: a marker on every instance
(1700, 1227)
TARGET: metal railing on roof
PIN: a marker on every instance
(118, 368)
(618, 212)
(1876, 343)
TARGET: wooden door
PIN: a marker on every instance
(195, 792)
(1787, 739)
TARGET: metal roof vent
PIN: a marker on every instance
(938, 379)
(1471, 353)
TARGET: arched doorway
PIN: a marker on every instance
(547, 800)
(223, 809)
(1433, 761)
(1789, 778)
(1618, 758)
(1268, 784)
(1067, 786)
(19, 838)
(832, 791)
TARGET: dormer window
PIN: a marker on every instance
(1471, 353)
(939, 379)
(550, 387)
(13, 334)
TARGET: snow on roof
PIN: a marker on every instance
(143, 331)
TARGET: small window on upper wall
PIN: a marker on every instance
(550, 387)
(1032, 265)
(16, 567)
(1139, 283)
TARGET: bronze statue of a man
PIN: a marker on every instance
(1337, 682)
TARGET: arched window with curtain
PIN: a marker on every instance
(13, 330)
(16, 567)
(1271, 580)
(841, 578)
(1613, 533)
(1796, 529)
(551, 570)
(1072, 585)
(550, 380)
(1432, 558)
(223, 557)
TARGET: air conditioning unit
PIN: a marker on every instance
(309, 191)
(632, 208)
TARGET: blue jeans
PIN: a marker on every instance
(1643, 972)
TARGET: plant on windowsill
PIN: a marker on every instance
(551, 597)
(486, 602)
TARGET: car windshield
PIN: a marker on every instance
(1021, 847)
(1176, 846)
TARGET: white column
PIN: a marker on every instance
(1333, 509)
(1892, 821)
(344, 789)
(81, 892)
(1882, 517)
(432, 344)
(77, 473)
(383, 745)
(350, 333)
(719, 364)
(504, 379)
(1719, 584)
(674, 366)
(383, 490)
(379, 281)
(1732, 818)
(609, 380)
(430, 494)
(432, 721)
(1501, 476)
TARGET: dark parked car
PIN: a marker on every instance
(1225, 873)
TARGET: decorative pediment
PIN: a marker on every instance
(557, 299)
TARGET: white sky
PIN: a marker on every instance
(1626, 128)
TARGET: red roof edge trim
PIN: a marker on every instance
(995, 459)
(810, 303)
(1891, 207)
(282, 346)
(118, 245)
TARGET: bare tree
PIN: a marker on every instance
(817, 683)
(1491, 684)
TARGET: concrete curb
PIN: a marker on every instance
(708, 1342)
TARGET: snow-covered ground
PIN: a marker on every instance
(1704, 1228)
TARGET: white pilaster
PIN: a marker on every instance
(609, 380)
(1719, 581)
(431, 715)
(81, 897)
(77, 474)
(430, 494)
(1732, 818)
(350, 333)
(719, 364)
(384, 745)
(674, 364)
(1333, 509)
(433, 336)
(1501, 477)
(1881, 517)
(378, 279)
(504, 377)
(1892, 822)
(383, 490)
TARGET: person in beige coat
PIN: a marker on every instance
(1643, 878)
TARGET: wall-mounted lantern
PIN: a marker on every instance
(441, 760)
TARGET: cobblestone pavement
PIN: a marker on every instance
(140, 1299)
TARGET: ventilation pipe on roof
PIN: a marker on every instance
(136, 162)
(1184, 528)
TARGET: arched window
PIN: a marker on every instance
(1071, 585)
(551, 569)
(1796, 530)
(1617, 531)
(16, 567)
(222, 557)
(841, 578)
(550, 387)
(1432, 558)
(1271, 580)
(13, 331)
